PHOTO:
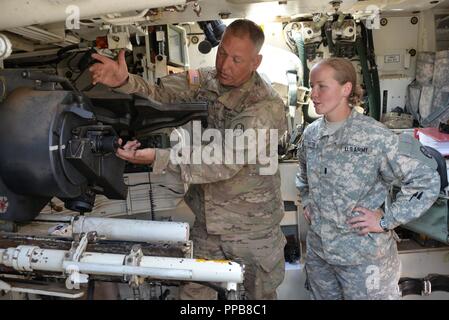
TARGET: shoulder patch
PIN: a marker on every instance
(193, 77)
(412, 148)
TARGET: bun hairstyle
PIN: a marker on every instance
(345, 72)
(356, 96)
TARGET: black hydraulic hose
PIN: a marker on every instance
(33, 63)
(65, 83)
(374, 74)
(299, 41)
(90, 290)
(66, 49)
(328, 33)
(60, 55)
(366, 76)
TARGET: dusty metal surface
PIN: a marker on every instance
(179, 249)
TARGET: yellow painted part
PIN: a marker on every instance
(217, 261)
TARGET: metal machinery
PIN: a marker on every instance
(60, 148)
(58, 142)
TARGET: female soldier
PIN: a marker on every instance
(347, 163)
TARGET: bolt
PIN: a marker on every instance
(224, 15)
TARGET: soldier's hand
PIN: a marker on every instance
(109, 72)
(367, 221)
(307, 215)
(131, 153)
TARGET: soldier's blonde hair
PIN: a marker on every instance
(345, 72)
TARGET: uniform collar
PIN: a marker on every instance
(231, 98)
(340, 134)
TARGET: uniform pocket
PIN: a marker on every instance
(270, 261)
(312, 163)
(311, 146)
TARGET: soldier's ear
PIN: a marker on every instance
(347, 89)
(257, 62)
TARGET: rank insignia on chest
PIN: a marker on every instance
(355, 149)
(238, 129)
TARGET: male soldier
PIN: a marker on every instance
(237, 210)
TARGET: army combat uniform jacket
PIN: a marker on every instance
(234, 198)
(354, 167)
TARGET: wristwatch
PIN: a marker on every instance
(383, 224)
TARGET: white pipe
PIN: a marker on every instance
(114, 264)
(103, 269)
(132, 230)
(202, 270)
(20, 13)
(38, 259)
(103, 258)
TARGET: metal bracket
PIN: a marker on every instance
(189, 249)
(78, 248)
(75, 278)
(427, 288)
(5, 286)
(133, 259)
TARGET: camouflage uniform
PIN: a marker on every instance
(354, 167)
(237, 210)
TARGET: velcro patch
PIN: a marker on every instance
(410, 147)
